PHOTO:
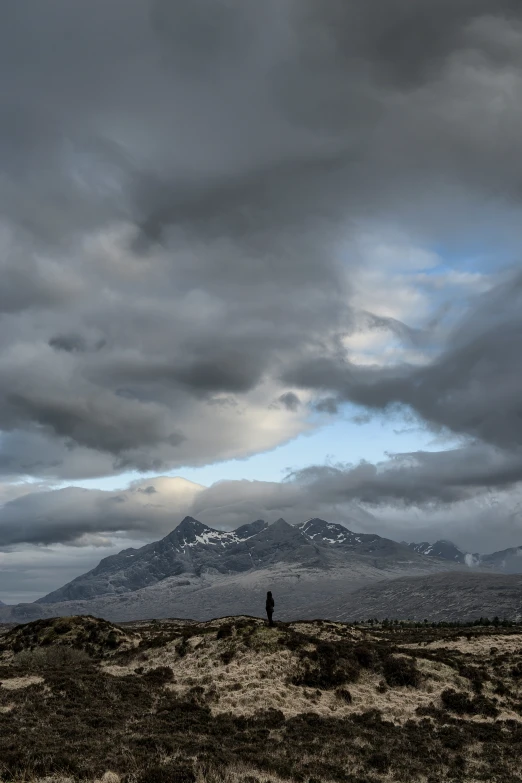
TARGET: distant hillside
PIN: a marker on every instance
(508, 561)
(461, 595)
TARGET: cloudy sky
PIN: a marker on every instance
(257, 260)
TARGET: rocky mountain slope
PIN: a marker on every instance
(194, 549)
(189, 548)
(442, 549)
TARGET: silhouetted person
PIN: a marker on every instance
(269, 607)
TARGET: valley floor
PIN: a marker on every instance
(232, 700)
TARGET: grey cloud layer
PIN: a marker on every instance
(177, 180)
(468, 493)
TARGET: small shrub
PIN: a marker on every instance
(456, 701)
(326, 668)
(460, 703)
(224, 631)
(401, 672)
(486, 707)
(182, 648)
(380, 762)
(227, 655)
(501, 689)
(476, 676)
(160, 675)
(364, 656)
(344, 695)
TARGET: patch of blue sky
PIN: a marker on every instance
(343, 440)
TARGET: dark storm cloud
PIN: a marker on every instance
(403, 43)
(290, 400)
(418, 478)
(68, 342)
(177, 182)
(474, 388)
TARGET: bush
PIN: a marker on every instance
(364, 656)
(380, 762)
(327, 668)
(227, 655)
(456, 701)
(344, 695)
(460, 703)
(401, 672)
(160, 675)
(224, 631)
(58, 656)
(476, 676)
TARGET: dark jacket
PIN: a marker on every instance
(270, 604)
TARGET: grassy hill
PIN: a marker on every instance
(233, 700)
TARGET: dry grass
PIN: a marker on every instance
(232, 700)
(16, 683)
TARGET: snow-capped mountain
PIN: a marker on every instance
(195, 549)
(443, 549)
(313, 567)
(192, 548)
(508, 561)
(328, 533)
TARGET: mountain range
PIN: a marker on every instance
(197, 550)
(198, 572)
(508, 561)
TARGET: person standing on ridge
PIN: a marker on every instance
(269, 607)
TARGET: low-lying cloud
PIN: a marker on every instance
(407, 496)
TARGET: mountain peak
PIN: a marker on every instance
(280, 524)
(323, 532)
(188, 529)
(190, 521)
